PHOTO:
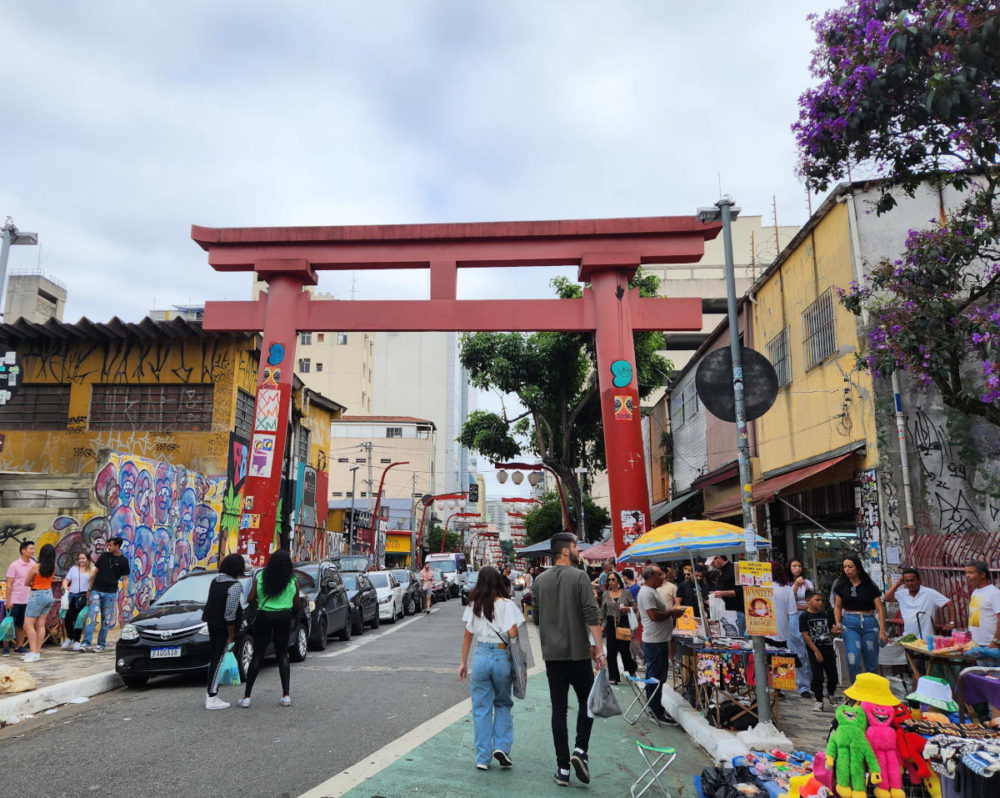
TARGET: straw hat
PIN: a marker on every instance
(933, 692)
(872, 688)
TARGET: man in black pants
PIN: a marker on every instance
(567, 612)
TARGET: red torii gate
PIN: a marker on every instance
(607, 252)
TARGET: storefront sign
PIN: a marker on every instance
(397, 544)
(758, 603)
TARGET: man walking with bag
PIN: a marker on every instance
(567, 612)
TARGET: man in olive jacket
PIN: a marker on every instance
(570, 632)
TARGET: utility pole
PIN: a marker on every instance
(580, 473)
(367, 446)
(354, 481)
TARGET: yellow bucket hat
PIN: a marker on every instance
(872, 688)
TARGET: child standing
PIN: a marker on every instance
(814, 624)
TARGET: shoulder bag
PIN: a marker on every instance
(518, 661)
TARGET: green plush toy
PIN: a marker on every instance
(849, 750)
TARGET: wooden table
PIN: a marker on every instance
(951, 665)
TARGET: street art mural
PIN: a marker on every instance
(167, 516)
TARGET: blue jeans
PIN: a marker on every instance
(107, 604)
(492, 725)
(657, 656)
(861, 642)
(803, 673)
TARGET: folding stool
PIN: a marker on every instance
(641, 703)
(655, 768)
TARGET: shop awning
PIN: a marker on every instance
(661, 510)
(728, 471)
(765, 490)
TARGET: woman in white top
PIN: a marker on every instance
(803, 673)
(491, 619)
(77, 583)
(784, 604)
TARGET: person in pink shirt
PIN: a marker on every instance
(18, 592)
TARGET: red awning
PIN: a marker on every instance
(728, 471)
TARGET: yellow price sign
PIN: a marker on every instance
(755, 574)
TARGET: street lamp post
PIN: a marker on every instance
(444, 532)
(354, 481)
(539, 467)
(11, 236)
(428, 501)
(724, 210)
(378, 501)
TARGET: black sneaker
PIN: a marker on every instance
(561, 777)
(581, 765)
(503, 758)
(666, 720)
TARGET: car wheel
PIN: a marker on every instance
(135, 680)
(464, 601)
(376, 620)
(357, 623)
(319, 641)
(345, 633)
(244, 655)
(297, 653)
(392, 618)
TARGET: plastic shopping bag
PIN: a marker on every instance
(64, 602)
(7, 628)
(633, 621)
(518, 666)
(602, 701)
(81, 619)
(229, 671)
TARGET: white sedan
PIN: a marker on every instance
(390, 595)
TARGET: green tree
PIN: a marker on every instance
(555, 378)
(432, 540)
(546, 519)
(910, 90)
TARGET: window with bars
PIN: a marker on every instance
(819, 336)
(159, 408)
(302, 445)
(244, 414)
(36, 407)
(780, 356)
(394, 432)
(304, 365)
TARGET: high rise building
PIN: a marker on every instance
(34, 296)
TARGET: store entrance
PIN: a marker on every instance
(822, 551)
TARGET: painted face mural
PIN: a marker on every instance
(96, 533)
(183, 559)
(123, 526)
(185, 515)
(143, 503)
(127, 477)
(204, 530)
(164, 486)
(106, 487)
(161, 560)
(201, 487)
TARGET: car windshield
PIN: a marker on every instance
(379, 579)
(442, 567)
(306, 577)
(353, 563)
(350, 581)
(403, 577)
(192, 589)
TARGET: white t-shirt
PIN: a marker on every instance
(653, 631)
(927, 601)
(784, 608)
(984, 606)
(800, 594)
(77, 581)
(505, 615)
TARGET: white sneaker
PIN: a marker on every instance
(67, 644)
(243, 702)
(285, 701)
(214, 702)
(818, 706)
(83, 647)
(31, 658)
(98, 649)
(78, 647)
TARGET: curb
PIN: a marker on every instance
(22, 704)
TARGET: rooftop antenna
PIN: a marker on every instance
(719, 175)
(354, 284)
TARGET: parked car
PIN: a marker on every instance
(440, 589)
(329, 608)
(169, 637)
(470, 582)
(363, 599)
(412, 595)
(390, 595)
(352, 562)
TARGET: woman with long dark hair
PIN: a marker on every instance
(77, 583)
(616, 604)
(859, 615)
(800, 584)
(39, 579)
(276, 594)
(491, 620)
(223, 612)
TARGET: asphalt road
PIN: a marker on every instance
(159, 741)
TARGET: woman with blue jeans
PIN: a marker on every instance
(803, 673)
(491, 620)
(859, 616)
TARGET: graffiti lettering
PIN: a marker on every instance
(17, 533)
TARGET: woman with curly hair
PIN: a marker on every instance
(276, 594)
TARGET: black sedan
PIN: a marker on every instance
(169, 637)
(329, 609)
(364, 601)
(412, 595)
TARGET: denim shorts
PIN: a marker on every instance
(39, 604)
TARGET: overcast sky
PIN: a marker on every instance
(124, 123)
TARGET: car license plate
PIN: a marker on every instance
(162, 653)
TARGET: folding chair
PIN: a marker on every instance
(641, 703)
(655, 768)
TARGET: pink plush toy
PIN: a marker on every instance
(881, 737)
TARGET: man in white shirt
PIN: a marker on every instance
(918, 604)
(984, 605)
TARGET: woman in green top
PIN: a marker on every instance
(276, 595)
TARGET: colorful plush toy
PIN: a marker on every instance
(849, 751)
(910, 746)
(881, 737)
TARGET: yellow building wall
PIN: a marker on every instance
(228, 363)
(810, 417)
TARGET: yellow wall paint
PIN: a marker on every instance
(804, 421)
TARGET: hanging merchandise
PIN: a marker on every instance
(848, 753)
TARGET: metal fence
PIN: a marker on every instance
(941, 561)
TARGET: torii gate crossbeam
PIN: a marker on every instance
(606, 252)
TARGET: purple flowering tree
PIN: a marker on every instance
(910, 91)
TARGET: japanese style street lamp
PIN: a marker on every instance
(518, 467)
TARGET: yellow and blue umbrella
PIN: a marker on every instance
(688, 539)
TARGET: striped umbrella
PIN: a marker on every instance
(688, 539)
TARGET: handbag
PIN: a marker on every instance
(623, 633)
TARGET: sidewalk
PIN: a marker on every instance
(439, 760)
(60, 676)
